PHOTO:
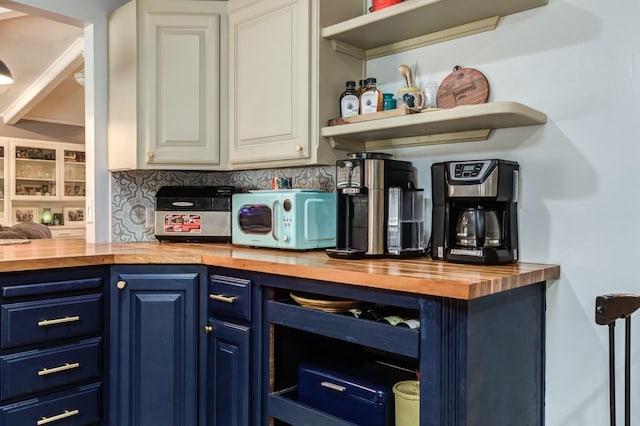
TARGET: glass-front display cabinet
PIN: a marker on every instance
(35, 172)
(47, 184)
(74, 174)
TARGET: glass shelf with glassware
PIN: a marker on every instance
(35, 188)
(35, 172)
(74, 174)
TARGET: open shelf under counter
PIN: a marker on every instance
(415, 23)
(462, 123)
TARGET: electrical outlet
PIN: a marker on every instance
(89, 217)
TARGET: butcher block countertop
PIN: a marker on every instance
(419, 276)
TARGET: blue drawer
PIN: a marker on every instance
(361, 394)
(78, 407)
(51, 319)
(230, 297)
(40, 369)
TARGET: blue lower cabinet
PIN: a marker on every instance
(52, 347)
(233, 378)
(78, 407)
(229, 373)
(157, 349)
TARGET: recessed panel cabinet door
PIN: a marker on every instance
(229, 373)
(180, 76)
(269, 81)
(154, 348)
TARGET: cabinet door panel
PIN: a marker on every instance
(156, 354)
(181, 85)
(269, 74)
(229, 374)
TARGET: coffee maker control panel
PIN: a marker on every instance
(470, 171)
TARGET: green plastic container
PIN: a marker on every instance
(407, 396)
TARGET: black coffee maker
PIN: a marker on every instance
(474, 217)
(362, 186)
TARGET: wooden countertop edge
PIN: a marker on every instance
(418, 276)
(56, 262)
(457, 288)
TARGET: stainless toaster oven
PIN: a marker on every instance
(193, 213)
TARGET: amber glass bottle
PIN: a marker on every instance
(371, 99)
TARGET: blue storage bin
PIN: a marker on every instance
(360, 395)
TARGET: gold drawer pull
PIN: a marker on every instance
(333, 386)
(65, 367)
(64, 415)
(221, 298)
(44, 323)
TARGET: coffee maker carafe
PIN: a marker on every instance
(362, 184)
(474, 217)
(478, 227)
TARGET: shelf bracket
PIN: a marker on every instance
(466, 136)
(348, 49)
(346, 144)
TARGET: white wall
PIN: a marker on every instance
(578, 62)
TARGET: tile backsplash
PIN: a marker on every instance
(134, 192)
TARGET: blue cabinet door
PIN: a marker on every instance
(229, 373)
(155, 345)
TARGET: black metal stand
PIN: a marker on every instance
(609, 308)
(612, 373)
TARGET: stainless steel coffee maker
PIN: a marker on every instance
(474, 218)
(362, 185)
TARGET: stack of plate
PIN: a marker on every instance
(326, 304)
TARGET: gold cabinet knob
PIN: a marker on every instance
(150, 154)
(298, 148)
(121, 284)
(207, 329)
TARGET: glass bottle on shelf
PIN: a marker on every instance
(371, 99)
(349, 102)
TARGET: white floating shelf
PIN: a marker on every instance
(462, 123)
(413, 19)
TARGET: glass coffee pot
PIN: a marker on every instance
(477, 227)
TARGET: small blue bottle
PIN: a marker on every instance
(388, 102)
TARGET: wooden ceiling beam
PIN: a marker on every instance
(64, 66)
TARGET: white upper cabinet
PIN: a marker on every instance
(165, 91)
(284, 81)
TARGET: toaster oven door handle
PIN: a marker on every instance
(274, 220)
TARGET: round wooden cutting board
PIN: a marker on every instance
(464, 86)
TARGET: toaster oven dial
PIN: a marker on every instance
(287, 205)
(285, 238)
